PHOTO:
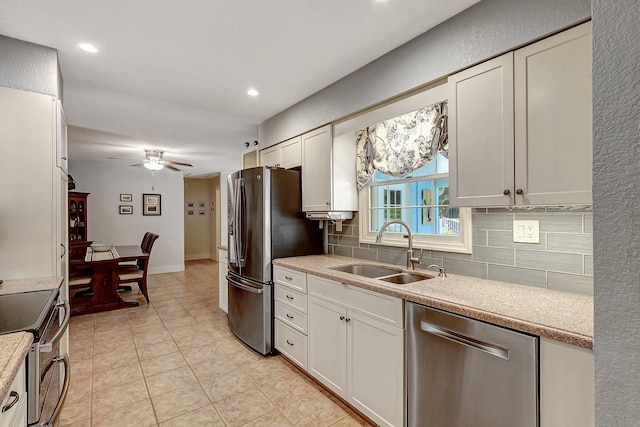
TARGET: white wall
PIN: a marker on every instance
(105, 180)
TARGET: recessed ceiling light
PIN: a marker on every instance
(252, 92)
(88, 47)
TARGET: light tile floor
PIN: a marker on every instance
(174, 362)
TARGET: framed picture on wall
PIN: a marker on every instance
(125, 209)
(126, 198)
(202, 212)
(190, 212)
(151, 204)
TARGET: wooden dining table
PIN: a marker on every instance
(104, 281)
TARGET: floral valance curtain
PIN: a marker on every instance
(400, 145)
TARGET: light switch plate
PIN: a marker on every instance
(526, 231)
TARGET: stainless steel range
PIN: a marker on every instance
(42, 314)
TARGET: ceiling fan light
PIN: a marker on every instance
(154, 166)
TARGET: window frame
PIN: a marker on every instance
(436, 92)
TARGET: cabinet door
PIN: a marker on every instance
(327, 345)
(316, 170)
(291, 153)
(375, 368)
(270, 156)
(481, 134)
(553, 145)
(61, 137)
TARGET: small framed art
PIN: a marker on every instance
(151, 204)
(126, 198)
(125, 209)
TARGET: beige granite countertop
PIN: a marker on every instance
(30, 285)
(559, 316)
(13, 350)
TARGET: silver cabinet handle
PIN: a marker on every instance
(289, 297)
(288, 278)
(290, 343)
(289, 316)
(16, 397)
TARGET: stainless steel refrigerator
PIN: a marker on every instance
(265, 222)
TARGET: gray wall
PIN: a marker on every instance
(29, 67)
(616, 179)
(562, 261)
(486, 29)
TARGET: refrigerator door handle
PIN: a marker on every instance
(232, 221)
(244, 287)
(237, 221)
(241, 197)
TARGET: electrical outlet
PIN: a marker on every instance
(526, 231)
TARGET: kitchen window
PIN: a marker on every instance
(421, 199)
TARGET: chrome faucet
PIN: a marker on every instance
(411, 260)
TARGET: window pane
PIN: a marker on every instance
(443, 164)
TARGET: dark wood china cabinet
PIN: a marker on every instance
(78, 242)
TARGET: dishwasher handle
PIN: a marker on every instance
(487, 347)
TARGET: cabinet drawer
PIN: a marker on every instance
(292, 317)
(379, 306)
(19, 386)
(291, 343)
(292, 278)
(288, 296)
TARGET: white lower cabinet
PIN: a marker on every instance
(356, 347)
(290, 326)
(14, 404)
(567, 385)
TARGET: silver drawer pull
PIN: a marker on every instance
(16, 397)
(289, 316)
(288, 278)
(290, 343)
(289, 297)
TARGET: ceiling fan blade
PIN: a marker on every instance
(170, 162)
(137, 165)
(125, 158)
(171, 167)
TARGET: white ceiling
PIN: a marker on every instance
(173, 75)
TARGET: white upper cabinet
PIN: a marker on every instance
(520, 126)
(553, 119)
(481, 133)
(328, 172)
(287, 154)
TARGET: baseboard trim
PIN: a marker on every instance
(166, 269)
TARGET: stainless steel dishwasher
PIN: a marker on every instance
(466, 373)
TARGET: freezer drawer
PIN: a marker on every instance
(463, 372)
(250, 312)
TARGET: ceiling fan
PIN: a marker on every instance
(154, 161)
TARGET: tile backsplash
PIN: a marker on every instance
(562, 261)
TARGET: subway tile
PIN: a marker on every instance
(331, 249)
(522, 276)
(479, 210)
(588, 265)
(367, 254)
(492, 221)
(466, 268)
(570, 243)
(479, 237)
(572, 208)
(588, 223)
(562, 222)
(504, 239)
(564, 263)
(333, 239)
(393, 257)
(570, 283)
(491, 255)
(349, 241)
(452, 255)
(427, 261)
(343, 250)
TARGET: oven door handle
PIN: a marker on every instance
(48, 345)
(65, 388)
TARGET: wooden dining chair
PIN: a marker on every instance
(143, 246)
(138, 273)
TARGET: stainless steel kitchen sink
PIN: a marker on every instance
(388, 274)
(368, 270)
(404, 278)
